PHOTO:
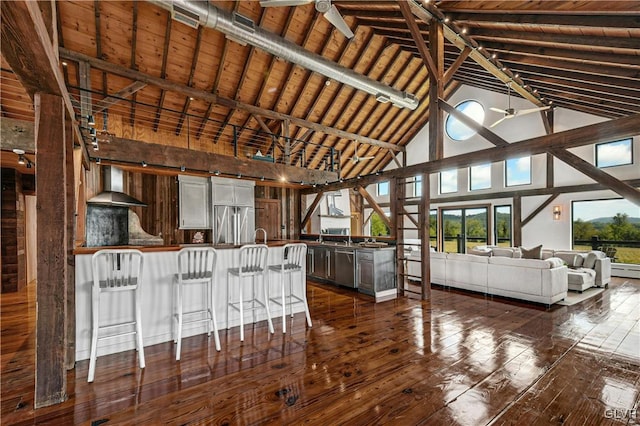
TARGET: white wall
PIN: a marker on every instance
(541, 229)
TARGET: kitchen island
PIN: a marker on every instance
(160, 265)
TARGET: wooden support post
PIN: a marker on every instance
(51, 293)
(436, 91)
(423, 233)
(71, 237)
(398, 194)
(517, 220)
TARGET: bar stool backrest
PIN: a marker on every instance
(116, 270)
(253, 259)
(196, 263)
(294, 255)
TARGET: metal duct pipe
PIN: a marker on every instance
(243, 30)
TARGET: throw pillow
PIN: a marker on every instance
(532, 253)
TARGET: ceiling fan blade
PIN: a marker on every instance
(500, 121)
(367, 158)
(332, 15)
(529, 111)
(278, 3)
(494, 109)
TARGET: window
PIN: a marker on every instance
(458, 131)
(616, 153)
(383, 188)
(417, 186)
(502, 225)
(518, 171)
(448, 181)
(480, 177)
(612, 226)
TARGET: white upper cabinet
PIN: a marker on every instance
(194, 202)
(232, 192)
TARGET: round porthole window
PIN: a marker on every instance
(458, 131)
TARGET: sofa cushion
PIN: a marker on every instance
(554, 262)
(546, 253)
(481, 251)
(581, 276)
(532, 253)
(461, 257)
(522, 263)
(592, 256)
(568, 258)
(502, 251)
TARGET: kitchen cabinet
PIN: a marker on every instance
(320, 262)
(376, 272)
(194, 202)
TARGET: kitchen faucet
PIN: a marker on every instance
(264, 231)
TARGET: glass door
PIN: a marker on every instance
(464, 228)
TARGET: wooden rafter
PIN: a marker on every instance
(119, 96)
(311, 209)
(163, 70)
(538, 209)
(374, 205)
(194, 62)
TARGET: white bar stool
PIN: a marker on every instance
(252, 265)
(115, 271)
(293, 256)
(196, 266)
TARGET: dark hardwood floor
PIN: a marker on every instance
(459, 359)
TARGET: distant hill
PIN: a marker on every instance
(633, 220)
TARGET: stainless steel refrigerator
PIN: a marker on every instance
(233, 224)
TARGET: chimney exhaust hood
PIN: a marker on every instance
(112, 194)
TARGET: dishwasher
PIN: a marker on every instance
(345, 267)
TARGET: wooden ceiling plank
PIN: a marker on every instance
(359, 55)
(194, 62)
(132, 61)
(229, 103)
(163, 69)
(549, 19)
(625, 190)
(572, 41)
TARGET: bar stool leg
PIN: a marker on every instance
(241, 311)
(95, 310)
(266, 302)
(214, 321)
(179, 323)
(139, 328)
(284, 305)
(304, 299)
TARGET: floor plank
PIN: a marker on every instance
(460, 359)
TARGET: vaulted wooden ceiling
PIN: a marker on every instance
(157, 80)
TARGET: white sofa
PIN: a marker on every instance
(535, 280)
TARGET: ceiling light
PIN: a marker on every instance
(217, 172)
(144, 164)
(283, 179)
(91, 121)
(447, 20)
(504, 68)
(464, 31)
(21, 159)
(183, 168)
(480, 47)
(494, 55)
(64, 64)
(239, 175)
(516, 75)
(98, 160)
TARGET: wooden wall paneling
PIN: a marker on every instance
(12, 221)
(268, 216)
(51, 293)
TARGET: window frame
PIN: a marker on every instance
(471, 188)
(440, 181)
(506, 172)
(378, 192)
(598, 145)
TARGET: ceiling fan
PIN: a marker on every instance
(325, 7)
(512, 112)
(356, 159)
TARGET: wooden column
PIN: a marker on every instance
(71, 237)
(517, 220)
(51, 294)
(436, 90)
(398, 194)
(423, 233)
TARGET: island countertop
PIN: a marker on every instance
(176, 247)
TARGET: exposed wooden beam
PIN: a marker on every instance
(311, 209)
(625, 190)
(163, 69)
(421, 44)
(609, 130)
(575, 20)
(538, 209)
(423, 232)
(374, 205)
(210, 97)
(26, 46)
(127, 151)
(17, 134)
(448, 75)
(467, 121)
(121, 95)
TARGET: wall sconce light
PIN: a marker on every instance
(144, 164)
(557, 211)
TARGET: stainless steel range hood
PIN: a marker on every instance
(113, 186)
